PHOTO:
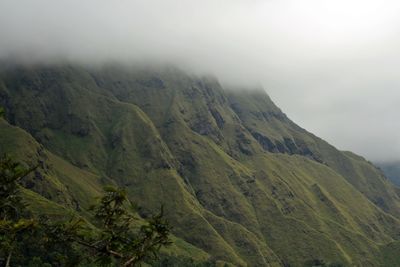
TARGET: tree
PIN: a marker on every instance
(118, 236)
(13, 225)
(117, 239)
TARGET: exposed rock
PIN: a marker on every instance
(152, 83)
(218, 118)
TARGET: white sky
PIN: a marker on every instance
(332, 66)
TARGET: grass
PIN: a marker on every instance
(191, 145)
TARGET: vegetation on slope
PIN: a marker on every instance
(29, 240)
(241, 182)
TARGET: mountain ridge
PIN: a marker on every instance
(239, 179)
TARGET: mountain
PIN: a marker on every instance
(241, 183)
(391, 170)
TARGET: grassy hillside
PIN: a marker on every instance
(240, 182)
(58, 189)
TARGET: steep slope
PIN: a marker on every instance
(54, 179)
(59, 189)
(276, 133)
(239, 179)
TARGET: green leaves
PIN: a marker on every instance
(13, 227)
(11, 204)
(117, 239)
(2, 112)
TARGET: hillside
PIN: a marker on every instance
(241, 183)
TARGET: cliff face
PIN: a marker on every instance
(239, 180)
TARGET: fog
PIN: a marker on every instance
(332, 66)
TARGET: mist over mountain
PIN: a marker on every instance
(330, 65)
(251, 125)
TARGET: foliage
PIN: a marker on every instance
(37, 241)
(116, 240)
(13, 226)
(24, 239)
(10, 200)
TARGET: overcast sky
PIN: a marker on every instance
(332, 66)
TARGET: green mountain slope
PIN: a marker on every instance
(59, 189)
(239, 180)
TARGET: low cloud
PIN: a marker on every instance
(331, 65)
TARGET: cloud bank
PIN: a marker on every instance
(332, 66)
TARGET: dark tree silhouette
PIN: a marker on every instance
(119, 238)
